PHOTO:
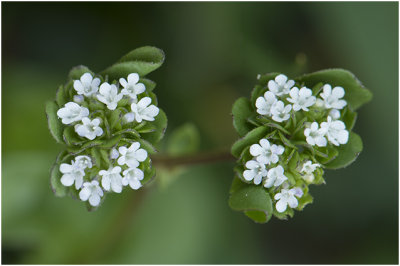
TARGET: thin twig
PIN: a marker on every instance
(169, 161)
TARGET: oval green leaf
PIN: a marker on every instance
(242, 111)
(55, 126)
(347, 152)
(356, 94)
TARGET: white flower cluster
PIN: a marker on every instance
(108, 94)
(265, 155)
(272, 104)
(111, 179)
(332, 130)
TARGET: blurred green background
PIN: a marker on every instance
(214, 53)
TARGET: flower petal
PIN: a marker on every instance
(141, 155)
(67, 180)
(133, 78)
(84, 194)
(281, 206)
(94, 200)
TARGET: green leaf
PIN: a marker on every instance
(330, 151)
(304, 200)
(70, 136)
(349, 118)
(347, 152)
(55, 175)
(78, 71)
(257, 216)
(61, 97)
(183, 140)
(55, 126)
(257, 92)
(251, 138)
(142, 60)
(109, 143)
(160, 124)
(96, 155)
(241, 111)
(149, 84)
(263, 80)
(147, 146)
(236, 184)
(114, 117)
(355, 93)
(252, 198)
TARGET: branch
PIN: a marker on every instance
(169, 161)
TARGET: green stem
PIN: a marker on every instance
(200, 158)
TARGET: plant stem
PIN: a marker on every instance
(169, 161)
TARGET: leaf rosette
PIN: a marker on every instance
(291, 130)
(110, 125)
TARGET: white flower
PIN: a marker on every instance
(265, 152)
(91, 191)
(334, 113)
(83, 162)
(335, 131)
(132, 87)
(281, 85)
(79, 98)
(108, 94)
(112, 179)
(308, 169)
(114, 154)
(132, 176)
(287, 197)
(265, 103)
(301, 99)
(280, 112)
(71, 173)
(132, 156)
(315, 135)
(72, 112)
(275, 177)
(129, 117)
(87, 85)
(257, 171)
(142, 110)
(332, 98)
(89, 128)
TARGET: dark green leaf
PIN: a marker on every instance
(252, 137)
(258, 91)
(55, 175)
(147, 146)
(70, 136)
(263, 80)
(78, 71)
(330, 151)
(61, 96)
(114, 117)
(241, 111)
(236, 184)
(349, 118)
(160, 123)
(149, 84)
(355, 93)
(141, 60)
(347, 152)
(252, 198)
(257, 216)
(183, 140)
(55, 126)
